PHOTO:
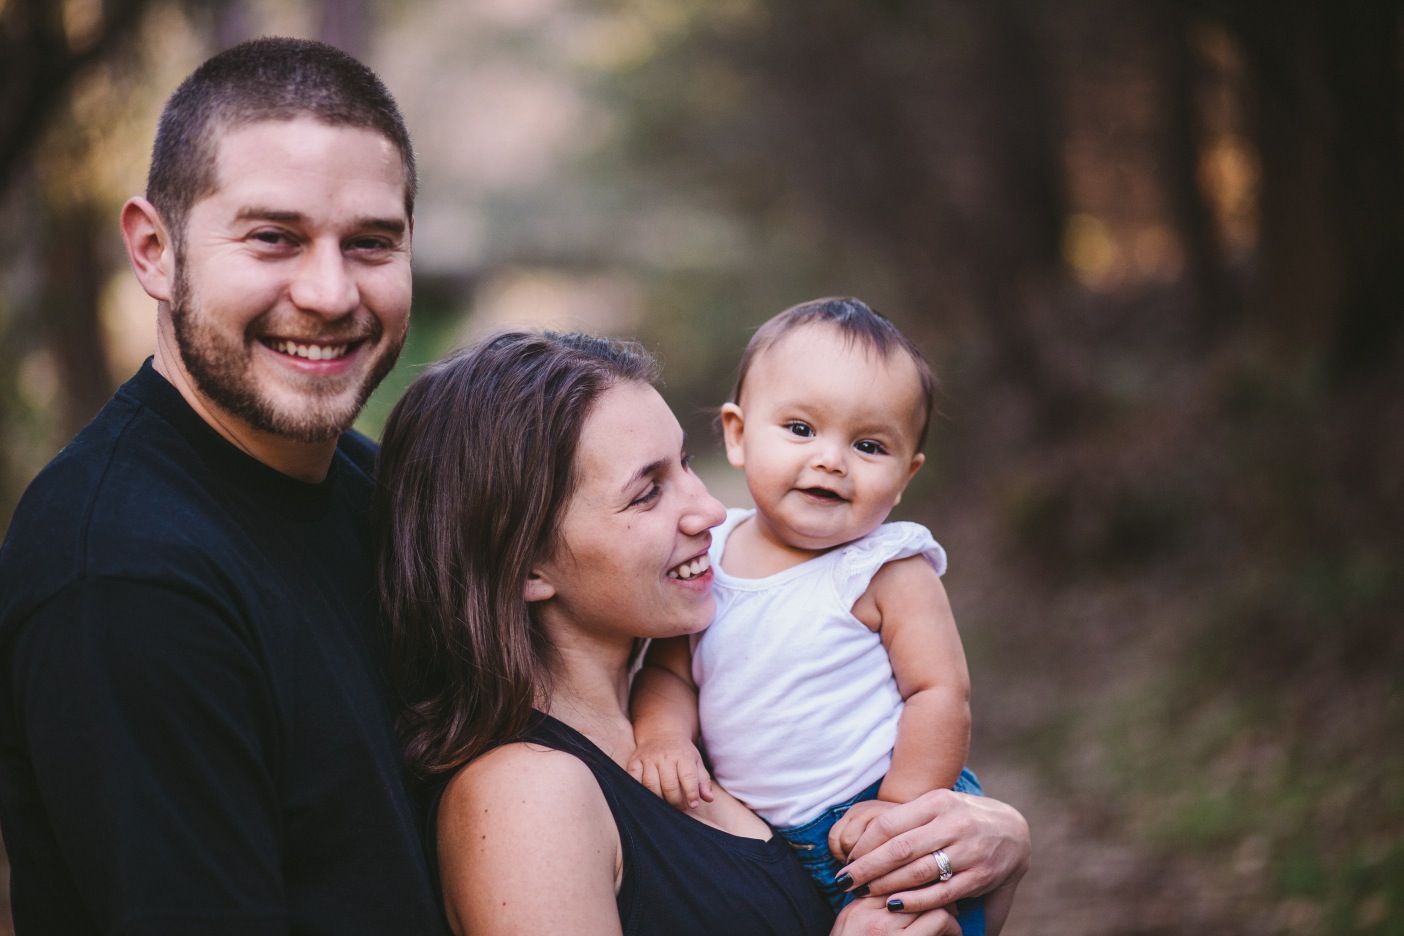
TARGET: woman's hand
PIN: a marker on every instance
(985, 841)
(868, 916)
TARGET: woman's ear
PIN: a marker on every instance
(149, 248)
(537, 588)
(733, 428)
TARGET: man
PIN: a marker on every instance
(194, 732)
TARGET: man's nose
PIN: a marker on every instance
(323, 284)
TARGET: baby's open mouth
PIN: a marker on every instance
(822, 492)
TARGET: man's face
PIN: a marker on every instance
(292, 288)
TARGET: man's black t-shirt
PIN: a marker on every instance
(194, 731)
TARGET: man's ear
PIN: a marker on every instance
(537, 588)
(917, 461)
(149, 248)
(733, 428)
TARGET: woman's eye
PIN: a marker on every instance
(687, 462)
(647, 496)
(869, 447)
(803, 430)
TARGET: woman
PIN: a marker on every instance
(537, 517)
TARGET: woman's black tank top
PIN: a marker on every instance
(683, 877)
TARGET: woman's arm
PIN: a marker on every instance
(986, 841)
(527, 845)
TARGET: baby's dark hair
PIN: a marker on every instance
(859, 324)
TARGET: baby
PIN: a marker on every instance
(832, 683)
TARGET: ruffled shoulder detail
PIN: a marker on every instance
(860, 560)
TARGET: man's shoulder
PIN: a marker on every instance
(359, 450)
(124, 495)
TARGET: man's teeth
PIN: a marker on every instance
(312, 352)
(688, 569)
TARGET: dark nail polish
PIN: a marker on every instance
(843, 881)
(860, 891)
(895, 905)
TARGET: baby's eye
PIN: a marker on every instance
(870, 447)
(803, 430)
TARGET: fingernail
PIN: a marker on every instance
(895, 905)
(860, 891)
(843, 881)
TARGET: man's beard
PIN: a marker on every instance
(222, 371)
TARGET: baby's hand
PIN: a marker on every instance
(846, 832)
(672, 768)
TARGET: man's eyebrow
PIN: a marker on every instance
(254, 213)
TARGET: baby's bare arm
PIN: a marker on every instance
(907, 604)
(663, 705)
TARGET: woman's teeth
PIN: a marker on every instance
(688, 569)
(312, 352)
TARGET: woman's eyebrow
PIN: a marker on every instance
(642, 473)
(650, 468)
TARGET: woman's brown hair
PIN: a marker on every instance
(475, 471)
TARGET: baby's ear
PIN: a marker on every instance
(733, 427)
(917, 461)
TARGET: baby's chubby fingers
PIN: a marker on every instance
(846, 833)
(670, 776)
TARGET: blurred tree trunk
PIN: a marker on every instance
(1015, 236)
(1326, 107)
(1216, 305)
(934, 133)
(39, 60)
(74, 271)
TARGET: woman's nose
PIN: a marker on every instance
(704, 511)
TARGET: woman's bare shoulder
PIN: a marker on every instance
(519, 781)
(513, 818)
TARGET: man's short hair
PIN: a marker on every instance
(263, 79)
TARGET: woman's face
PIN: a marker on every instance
(633, 560)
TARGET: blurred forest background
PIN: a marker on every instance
(1155, 251)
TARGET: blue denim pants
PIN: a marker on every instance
(811, 845)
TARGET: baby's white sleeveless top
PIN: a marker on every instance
(796, 696)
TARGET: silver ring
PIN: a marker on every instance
(944, 864)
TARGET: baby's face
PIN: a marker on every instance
(826, 432)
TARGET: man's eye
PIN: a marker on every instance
(803, 430)
(273, 238)
(869, 447)
(370, 244)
